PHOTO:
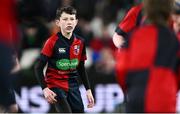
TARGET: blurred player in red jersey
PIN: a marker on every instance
(147, 66)
(134, 18)
(8, 60)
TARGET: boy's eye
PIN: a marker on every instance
(65, 19)
(71, 19)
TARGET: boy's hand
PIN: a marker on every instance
(90, 98)
(49, 95)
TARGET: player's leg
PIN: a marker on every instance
(62, 104)
(12, 107)
(7, 95)
(74, 97)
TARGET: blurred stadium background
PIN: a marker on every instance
(97, 22)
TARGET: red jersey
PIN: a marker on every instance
(147, 70)
(64, 57)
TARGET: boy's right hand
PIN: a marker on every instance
(49, 95)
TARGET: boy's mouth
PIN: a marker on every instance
(69, 27)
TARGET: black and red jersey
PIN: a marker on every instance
(147, 70)
(64, 56)
(132, 19)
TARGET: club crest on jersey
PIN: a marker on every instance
(62, 50)
(76, 49)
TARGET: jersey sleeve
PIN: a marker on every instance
(83, 74)
(83, 56)
(39, 66)
(48, 47)
(129, 21)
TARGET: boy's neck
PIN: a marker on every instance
(67, 35)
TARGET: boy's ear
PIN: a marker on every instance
(57, 22)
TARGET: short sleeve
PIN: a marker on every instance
(48, 48)
(129, 21)
(83, 56)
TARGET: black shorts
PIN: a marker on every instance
(7, 95)
(72, 97)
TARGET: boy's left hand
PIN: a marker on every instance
(90, 98)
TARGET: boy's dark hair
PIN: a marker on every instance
(158, 11)
(67, 9)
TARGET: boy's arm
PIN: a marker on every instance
(83, 74)
(39, 70)
(48, 94)
(85, 80)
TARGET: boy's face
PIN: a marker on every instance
(67, 22)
